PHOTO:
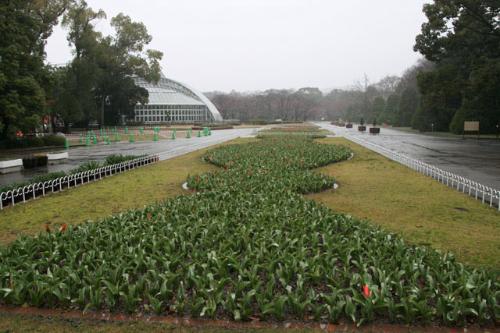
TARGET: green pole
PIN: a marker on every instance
(66, 143)
(173, 135)
(131, 138)
(155, 136)
(199, 134)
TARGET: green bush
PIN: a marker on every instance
(110, 160)
(86, 166)
(118, 158)
(12, 186)
(47, 177)
(54, 140)
(34, 142)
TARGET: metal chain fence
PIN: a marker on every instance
(32, 191)
(485, 194)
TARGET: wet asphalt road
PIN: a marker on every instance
(478, 160)
(165, 148)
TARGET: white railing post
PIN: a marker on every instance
(114, 168)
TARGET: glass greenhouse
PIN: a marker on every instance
(174, 102)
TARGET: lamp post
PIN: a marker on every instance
(432, 127)
(105, 101)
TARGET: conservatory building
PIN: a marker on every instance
(174, 102)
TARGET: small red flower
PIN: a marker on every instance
(366, 291)
(63, 227)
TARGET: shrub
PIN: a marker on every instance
(34, 142)
(86, 166)
(54, 140)
(12, 186)
(118, 158)
(47, 177)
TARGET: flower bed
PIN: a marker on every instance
(247, 245)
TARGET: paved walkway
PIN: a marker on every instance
(478, 160)
(165, 148)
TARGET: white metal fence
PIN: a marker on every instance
(32, 191)
(487, 195)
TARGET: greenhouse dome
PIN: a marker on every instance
(174, 102)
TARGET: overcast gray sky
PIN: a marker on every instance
(260, 44)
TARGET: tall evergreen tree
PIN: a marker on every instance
(377, 109)
(408, 104)
(390, 113)
(24, 28)
(463, 38)
(100, 77)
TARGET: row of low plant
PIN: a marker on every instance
(86, 166)
(248, 245)
(297, 129)
(257, 121)
(34, 142)
(212, 126)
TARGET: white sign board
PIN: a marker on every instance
(471, 126)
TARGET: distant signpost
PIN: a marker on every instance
(471, 127)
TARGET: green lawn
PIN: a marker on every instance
(420, 209)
